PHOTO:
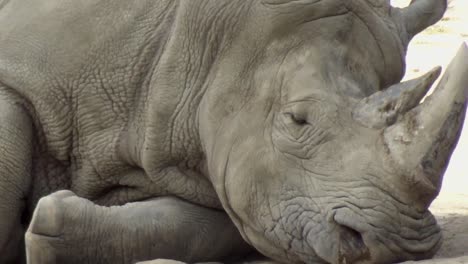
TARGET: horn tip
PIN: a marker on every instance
(463, 47)
(434, 73)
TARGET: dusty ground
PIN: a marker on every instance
(436, 46)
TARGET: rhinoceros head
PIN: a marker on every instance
(315, 149)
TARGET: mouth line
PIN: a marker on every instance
(361, 235)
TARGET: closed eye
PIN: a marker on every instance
(297, 119)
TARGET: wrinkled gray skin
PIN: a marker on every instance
(266, 113)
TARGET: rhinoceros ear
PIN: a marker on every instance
(421, 14)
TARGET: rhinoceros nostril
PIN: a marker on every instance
(352, 247)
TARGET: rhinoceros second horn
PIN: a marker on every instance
(382, 108)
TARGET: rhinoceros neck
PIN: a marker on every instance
(171, 152)
(181, 79)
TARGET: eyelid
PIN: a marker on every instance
(300, 120)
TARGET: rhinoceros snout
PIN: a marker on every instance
(364, 238)
(345, 239)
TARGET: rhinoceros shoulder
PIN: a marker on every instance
(45, 44)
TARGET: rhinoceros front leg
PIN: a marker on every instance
(15, 174)
(68, 229)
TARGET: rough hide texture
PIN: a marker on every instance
(221, 130)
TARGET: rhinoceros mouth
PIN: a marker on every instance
(374, 244)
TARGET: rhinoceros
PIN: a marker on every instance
(210, 130)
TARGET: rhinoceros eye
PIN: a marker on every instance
(297, 119)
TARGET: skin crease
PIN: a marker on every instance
(211, 106)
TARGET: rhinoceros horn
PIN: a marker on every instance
(420, 143)
(384, 107)
(419, 15)
(420, 137)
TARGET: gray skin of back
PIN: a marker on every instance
(164, 117)
(105, 94)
